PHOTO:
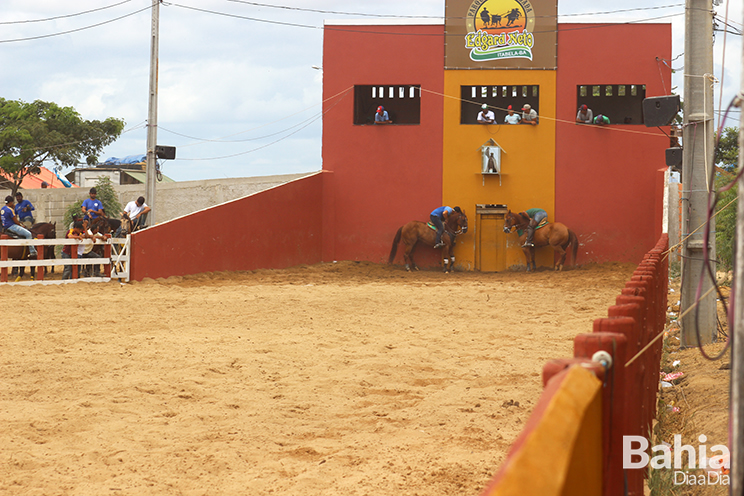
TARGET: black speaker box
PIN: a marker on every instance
(674, 157)
(165, 152)
(660, 110)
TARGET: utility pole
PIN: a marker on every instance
(697, 162)
(737, 333)
(152, 119)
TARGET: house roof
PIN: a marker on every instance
(33, 181)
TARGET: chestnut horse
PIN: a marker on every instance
(49, 231)
(555, 234)
(415, 231)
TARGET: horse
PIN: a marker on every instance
(555, 234)
(415, 231)
(49, 231)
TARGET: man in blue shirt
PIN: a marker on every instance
(10, 223)
(23, 211)
(92, 207)
(381, 117)
(437, 217)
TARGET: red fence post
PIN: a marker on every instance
(107, 255)
(40, 256)
(4, 258)
(613, 401)
(73, 256)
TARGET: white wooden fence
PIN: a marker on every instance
(115, 267)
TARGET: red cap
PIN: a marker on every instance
(584, 107)
(509, 107)
(380, 109)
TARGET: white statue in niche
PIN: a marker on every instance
(491, 159)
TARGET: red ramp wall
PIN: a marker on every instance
(273, 229)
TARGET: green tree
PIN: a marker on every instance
(727, 161)
(104, 192)
(31, 133)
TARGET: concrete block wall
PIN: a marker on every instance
(173, 199)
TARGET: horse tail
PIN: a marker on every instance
(394, 250)
(574, 242)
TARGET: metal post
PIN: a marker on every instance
(152, 119)
(696, 167)
(737, 333)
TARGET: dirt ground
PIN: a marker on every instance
(348, 378)
(696, 403)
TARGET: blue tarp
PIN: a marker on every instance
(130, 159)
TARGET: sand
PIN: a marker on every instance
(348, 378)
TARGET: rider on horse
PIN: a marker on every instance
(536, 215)
(437, 217)
(11, 224)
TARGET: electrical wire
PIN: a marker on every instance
(343, 96)
(222, 140)
(66, 16)
(394, 16)
(77, 29)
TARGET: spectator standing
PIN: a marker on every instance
(381, 116)
(511, 117)
(486, 116)
(585, 115)
(529, 115)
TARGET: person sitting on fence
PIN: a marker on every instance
(23, 210)
(92, 207)
(76, 232)
(10, 223)
(137, 211)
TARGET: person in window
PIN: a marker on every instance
(486, 116)
(529, 115)
(585, 115)
(601, 120)
(511, 117)
(381, 117)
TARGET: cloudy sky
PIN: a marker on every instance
(238, 94)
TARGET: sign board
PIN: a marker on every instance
(501, 34)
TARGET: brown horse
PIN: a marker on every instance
(49, 231)
(415, 231)
(557, 235)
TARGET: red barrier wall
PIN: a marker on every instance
(606, 178)
(632, 335)
(273, 229)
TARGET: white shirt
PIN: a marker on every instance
(133, 209)
(486, 117)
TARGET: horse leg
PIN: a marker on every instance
(408, 257)
(559, 249)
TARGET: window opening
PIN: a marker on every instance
(622, 103)
(401, 101)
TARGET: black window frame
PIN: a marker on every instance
(498, 97)
(403, 105)
(621, 103)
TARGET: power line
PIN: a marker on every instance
(67, 15)
(393, 16)
(77, 29)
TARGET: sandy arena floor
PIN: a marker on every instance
(335, 379)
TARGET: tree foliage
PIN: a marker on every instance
(105, 192)
(727, 159)
(32, 133)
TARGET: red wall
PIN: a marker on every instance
(607, 179)
(383, 176)
(273, 229)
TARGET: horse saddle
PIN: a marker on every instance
(10, 233)
(431, 226)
